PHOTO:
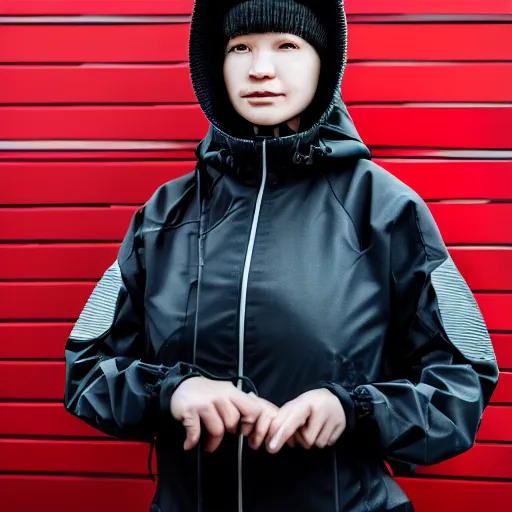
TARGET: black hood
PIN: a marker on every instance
(328, 130)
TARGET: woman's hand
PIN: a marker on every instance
(258, 430)
(315, 418)
(219, 405)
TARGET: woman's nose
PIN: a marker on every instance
(262, 66)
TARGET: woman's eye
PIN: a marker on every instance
(238, 48)
(288, 46)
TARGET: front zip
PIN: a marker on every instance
(243, 304)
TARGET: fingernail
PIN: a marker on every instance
(275, 441)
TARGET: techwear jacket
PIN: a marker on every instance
(292, 263)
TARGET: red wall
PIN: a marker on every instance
(84, 141)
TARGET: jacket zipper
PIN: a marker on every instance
(243, 304)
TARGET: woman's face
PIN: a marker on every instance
(271, 78)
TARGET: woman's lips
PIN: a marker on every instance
(262, 94)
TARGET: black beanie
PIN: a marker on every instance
(286, 16)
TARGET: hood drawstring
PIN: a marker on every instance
(317, 147)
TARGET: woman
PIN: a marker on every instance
(287, 317)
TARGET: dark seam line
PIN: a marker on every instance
(222, 219)
(344, 209)
(417, 218)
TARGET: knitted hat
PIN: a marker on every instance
(265, 16)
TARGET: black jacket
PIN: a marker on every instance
(296, 263)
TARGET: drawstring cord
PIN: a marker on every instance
(300, 158)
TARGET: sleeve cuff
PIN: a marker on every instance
(357, 404)
(174, 377)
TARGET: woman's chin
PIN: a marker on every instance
(262, 118)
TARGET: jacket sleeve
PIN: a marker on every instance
(439, 365)
(108, 383)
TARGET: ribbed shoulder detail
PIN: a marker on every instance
(97, 317)
(460, 313)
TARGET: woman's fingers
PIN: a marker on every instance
(192, 426)
(262, 426)
(336, 435)
(229, 414)
(292, 442)
(300, 440)
(312, 429)
(290, 418)
(249, 406)
(214, 426)
(323, 437)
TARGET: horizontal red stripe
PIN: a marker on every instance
(496, 424)
(34, 380)
(429, 42)
(169, 42)
(436, 127)
(503, 347)
(43, 300)
(58, 152)
(459, 223)
(48, 7)
(482, 461)
(470, 154)
(496, 309)
(177, 122)
(474, 223)
(65, 223)
(151, 7)
(362, 83)
(36, 419)
(77, 494)
(33, 183)
(40, 419)
(73, 456)
(485, 268)
(379, 125)
(94, 43)
(428, 7)
(56, 261)
(428, 82)
(453, 179)
(503, 393)
(449, 496)
(33, 340)
(78, 84)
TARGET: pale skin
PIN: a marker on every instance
(282, 64)
(288, 67)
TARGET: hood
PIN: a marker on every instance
(331, 132)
